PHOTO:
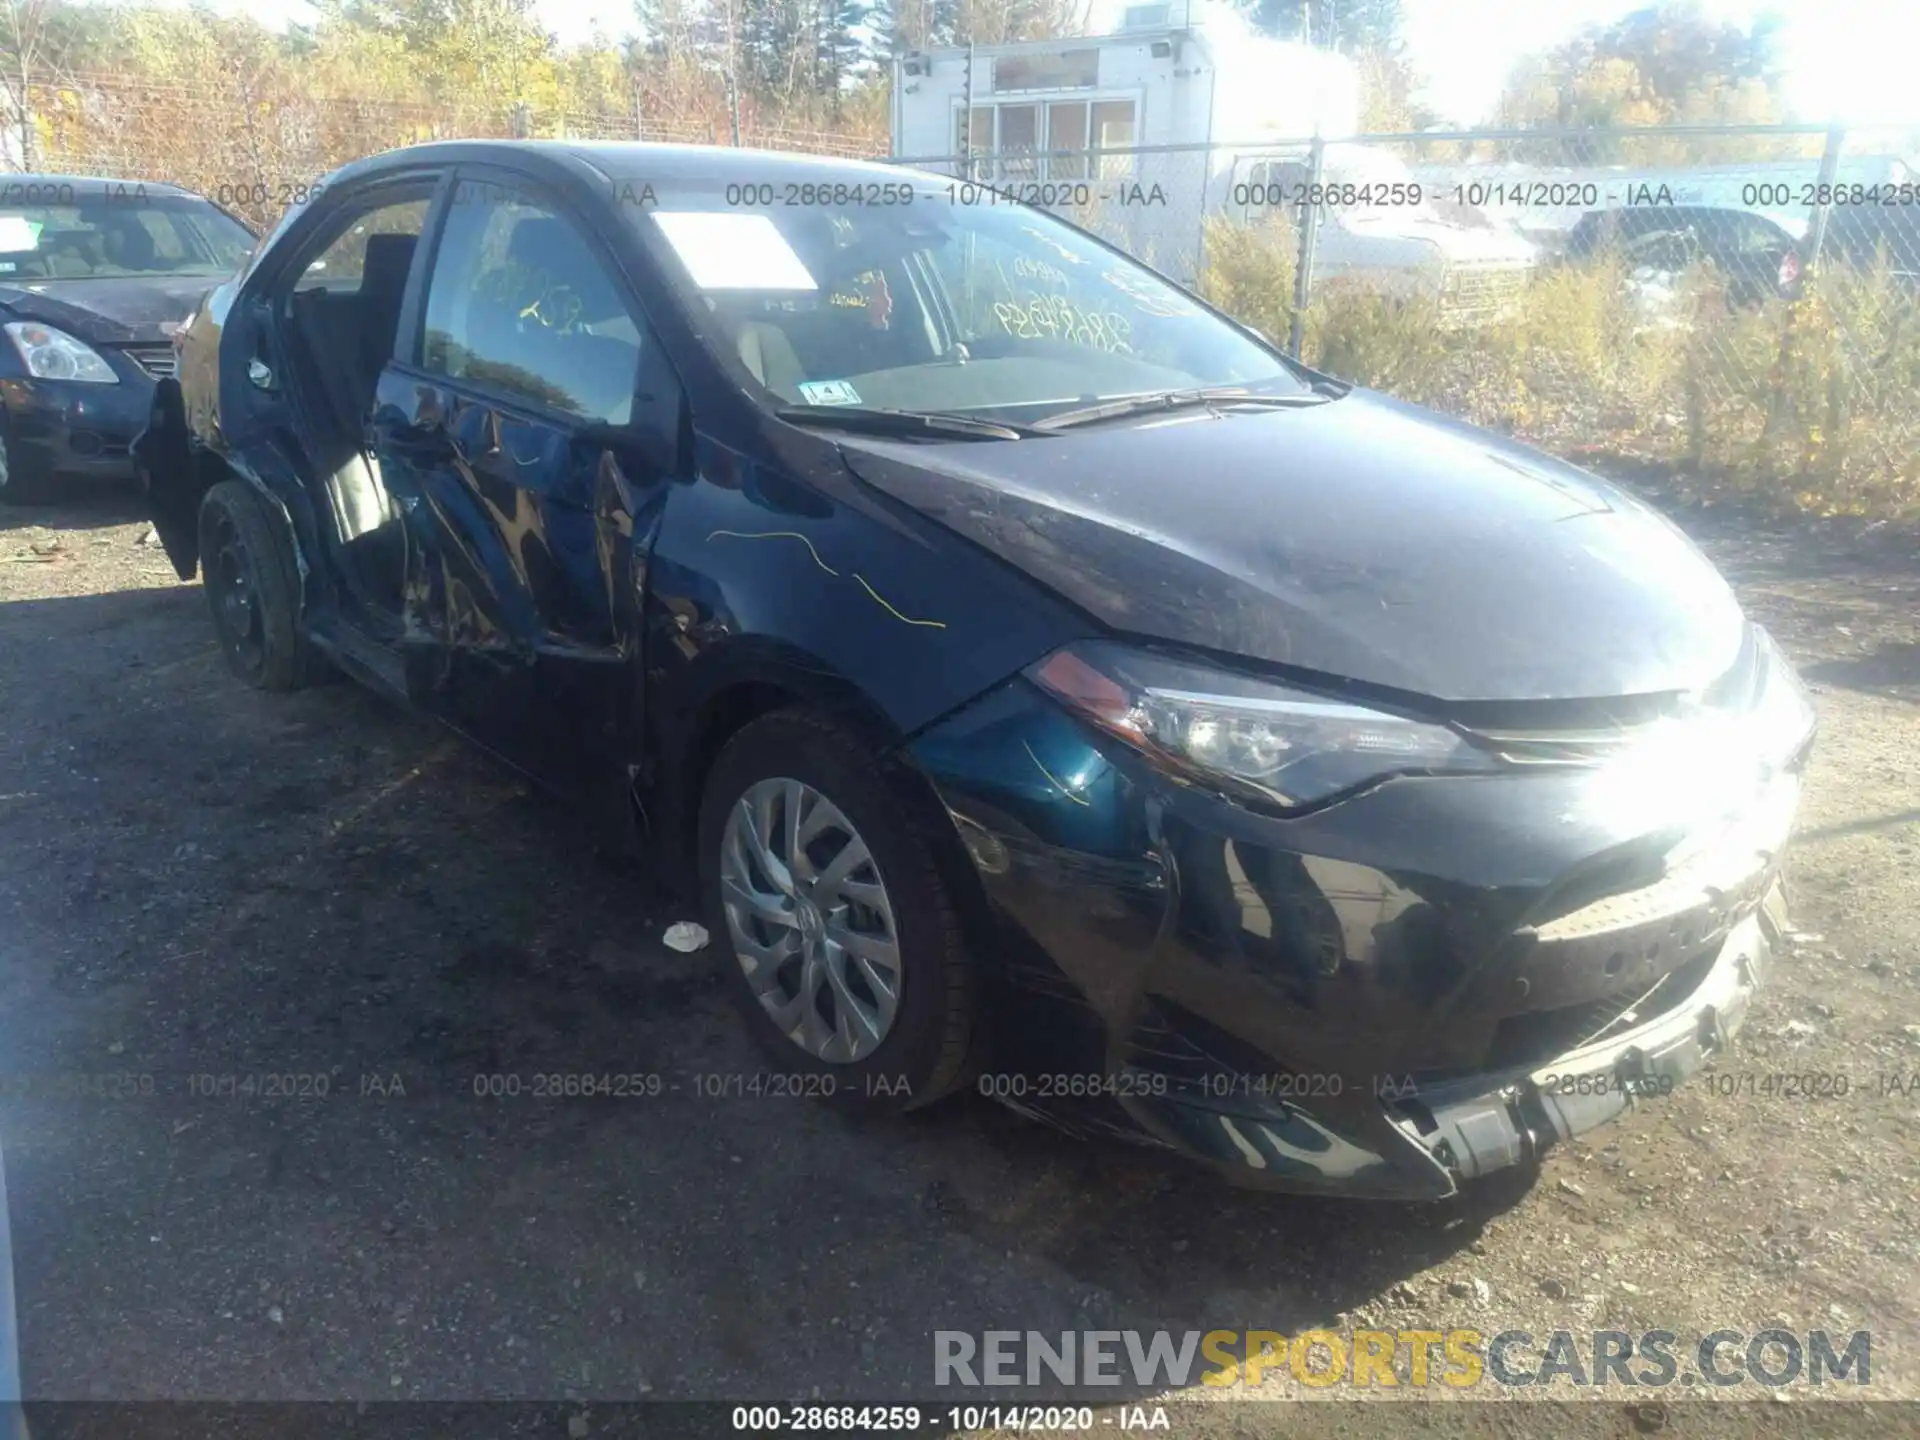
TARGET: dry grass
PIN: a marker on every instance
(1812, 405)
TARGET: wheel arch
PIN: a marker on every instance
(257, 522)
(759, 679)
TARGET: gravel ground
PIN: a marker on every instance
(197, 880)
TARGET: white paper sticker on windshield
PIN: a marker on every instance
(828, 392)
(18, 233)
(734, 252)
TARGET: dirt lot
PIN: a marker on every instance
(196, 880)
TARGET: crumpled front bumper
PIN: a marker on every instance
(1462, 1131)
(1493, 1122)
(1384, 999)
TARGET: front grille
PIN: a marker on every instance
(157, 360)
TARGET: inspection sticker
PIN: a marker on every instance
(828, 392)
(731, 251)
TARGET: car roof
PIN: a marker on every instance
(13, 184)
(1790, 226)
(641, 161)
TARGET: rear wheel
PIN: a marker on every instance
(252, 589)
(23, 480)
(837, 935)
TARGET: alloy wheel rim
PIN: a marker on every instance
(234, 600)
(811, 921)
(6, 469)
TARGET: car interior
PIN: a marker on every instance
(866, 315)
(102, 245)
(339, 338)
(784, 342)
(549, 304)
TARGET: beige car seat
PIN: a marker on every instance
(766, 352)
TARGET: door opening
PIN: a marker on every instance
(339, 323)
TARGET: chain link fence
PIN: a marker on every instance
(253, 144)
(1739, 303)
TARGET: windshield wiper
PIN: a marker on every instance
(1174, 400)
(907, 422)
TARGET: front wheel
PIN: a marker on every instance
(837, 934)
(253, 589)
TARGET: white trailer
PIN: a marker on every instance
(1179, 114)
(1117, 130)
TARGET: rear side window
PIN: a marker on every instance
(520, 303)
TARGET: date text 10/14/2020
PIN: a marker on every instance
(908, 1419)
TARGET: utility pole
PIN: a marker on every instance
(634, 71)
(966, 115)
(1829, 167)
(733, 70)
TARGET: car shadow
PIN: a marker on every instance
(1158, 1232)
(1891, 669)
(82, 505)
(212, 880)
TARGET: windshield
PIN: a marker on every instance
(112, 236)
(907, 297)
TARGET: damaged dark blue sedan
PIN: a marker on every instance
(1038, 681)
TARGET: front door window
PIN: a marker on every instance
(521, 303)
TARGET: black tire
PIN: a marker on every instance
(253, 589)
(23, 480)
(926, 1053)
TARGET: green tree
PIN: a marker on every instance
(1345, 25)
(490, 48)
(42, 43)
(1667, 64)
(1389, 90)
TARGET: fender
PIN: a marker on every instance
(742, 559)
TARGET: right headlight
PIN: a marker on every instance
(51, 354)
(1288, 747)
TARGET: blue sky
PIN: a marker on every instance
(1845, 59)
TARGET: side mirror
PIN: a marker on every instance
(650, 444)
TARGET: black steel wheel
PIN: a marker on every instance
(253, 589)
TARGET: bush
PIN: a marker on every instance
(1247, 271)
(1387, 341)
(1810, 405)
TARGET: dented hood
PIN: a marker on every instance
(1362, 538)
(120, 310)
